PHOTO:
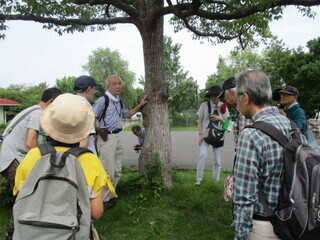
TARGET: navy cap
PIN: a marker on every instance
(83, 82)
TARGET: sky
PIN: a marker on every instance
(30, 55)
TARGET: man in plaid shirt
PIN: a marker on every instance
(259, 161)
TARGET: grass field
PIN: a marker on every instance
(183, 212)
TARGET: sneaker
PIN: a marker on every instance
(198, 183)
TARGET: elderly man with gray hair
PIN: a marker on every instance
(259, 159)
(109, 110)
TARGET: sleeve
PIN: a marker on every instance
(98, 106)
(34, 120)
(124, 112)
(201, 110)
(245, 185)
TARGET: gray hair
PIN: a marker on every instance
(257, 85)
(111, 76)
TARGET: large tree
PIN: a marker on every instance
(221, 20)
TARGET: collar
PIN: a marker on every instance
(112, 97)
(292, 105)
(265, 111)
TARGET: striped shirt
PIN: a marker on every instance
(259, 167)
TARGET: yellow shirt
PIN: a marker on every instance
(96, 176)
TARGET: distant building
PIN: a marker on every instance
(4, 103)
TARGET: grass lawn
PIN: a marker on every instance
(183, 212)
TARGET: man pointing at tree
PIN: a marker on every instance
(109, 111)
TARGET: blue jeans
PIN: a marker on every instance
(202, 160)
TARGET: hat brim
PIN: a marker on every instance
(63, 133)
(286, 92)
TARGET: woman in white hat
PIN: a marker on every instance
(67, 121)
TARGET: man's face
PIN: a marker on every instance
(90, 93)
(115, 85)
(243, 105)
(230, 96)
(137, 133)
(287, 99)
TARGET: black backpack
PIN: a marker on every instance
(298, 211)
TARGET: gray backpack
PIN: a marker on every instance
(298, 212)
(53, 203)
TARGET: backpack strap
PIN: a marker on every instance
(209, 108)
(271, 131)
(106, 104)
(77, 151)
(47, 148)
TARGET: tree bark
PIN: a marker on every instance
(155, 113)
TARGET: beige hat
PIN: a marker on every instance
(68, 119)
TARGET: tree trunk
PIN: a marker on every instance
(155, 112)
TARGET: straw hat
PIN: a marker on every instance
(68, 119)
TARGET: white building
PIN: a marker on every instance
(4, 103)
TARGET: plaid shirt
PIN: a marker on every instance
(258, 167)
(241, 122)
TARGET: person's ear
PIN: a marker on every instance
(246, 98)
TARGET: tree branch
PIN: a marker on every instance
(185, 10)
(121, 5)
(205, 34)
(66, 22)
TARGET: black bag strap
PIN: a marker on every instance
(78, 151)
(271, 131)
(47, 148)
(106, 104)
(209, 108)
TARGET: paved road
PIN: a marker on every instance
(185, 150)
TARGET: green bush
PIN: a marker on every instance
(6, 197)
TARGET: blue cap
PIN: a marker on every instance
(83, 82)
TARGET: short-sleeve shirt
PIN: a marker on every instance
(91, 146)
(114, 113)
(14, 144)
(204, 114)
(96, 176)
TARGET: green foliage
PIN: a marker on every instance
(183, 212)
(238, 61)
(185, 118)
(2, 126)
(26, 96)
(284, 66)
(66, 84)
(104, 62)
(6, 196)
(182, 88)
